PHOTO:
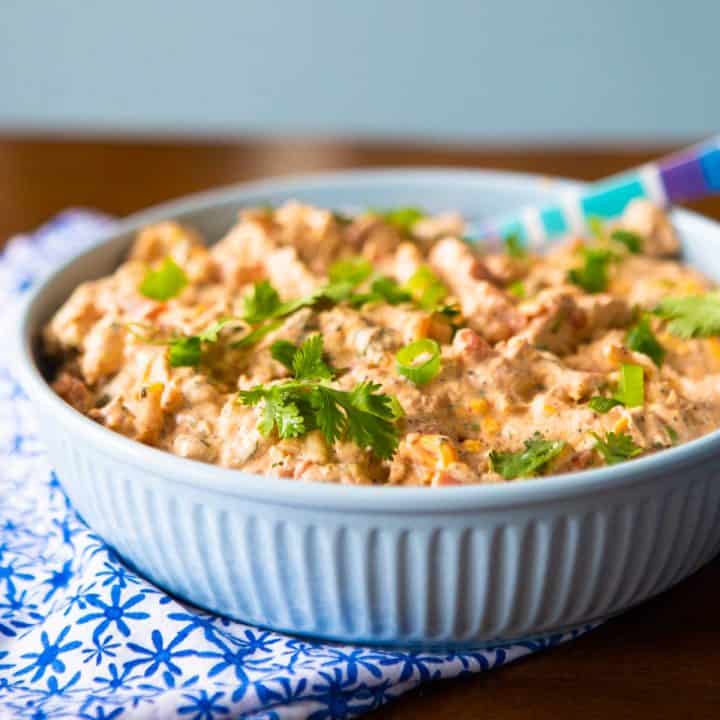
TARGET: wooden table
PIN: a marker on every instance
(661, 660)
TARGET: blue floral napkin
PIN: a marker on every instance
(82, 636)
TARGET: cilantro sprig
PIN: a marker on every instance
(297, 406)
(304, 362)
(165, 282)
(691, 317)
(528, 462)
(616, 447)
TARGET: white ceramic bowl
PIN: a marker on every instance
(454, 566)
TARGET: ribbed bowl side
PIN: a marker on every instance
(464, 578)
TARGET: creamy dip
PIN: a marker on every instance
(528, 364)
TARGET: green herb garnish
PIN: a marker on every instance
(403, 218)
(353, 270)
(426, 288)
(164, 283)
(603, 405)
(616, 447)
(632, 241)
(517, 289)
(693, 316)
(641, 338)
(305, 403)
(672, 434)
(304, 362)
(514, 246)
(596, 226)
(593, 275)
(533, 459)
(186, 350)
(631, 388)
(419, 361)
(261, 303)
(630, 391)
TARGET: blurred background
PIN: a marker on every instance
(118, 106)
(455, 71)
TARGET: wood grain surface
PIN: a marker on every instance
(660, 660)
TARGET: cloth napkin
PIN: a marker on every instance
(82, 636)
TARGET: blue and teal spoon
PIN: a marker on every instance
(686, 175)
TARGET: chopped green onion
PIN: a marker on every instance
(426, 288)
(352, 270)
(419, 361)
(631, 388)
(164, 283)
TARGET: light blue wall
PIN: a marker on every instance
(452, 69)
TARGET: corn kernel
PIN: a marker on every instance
(421, 327)
(473, 446)
(479, 406)
(621, 425)
(490, 425)
(549, 409)
(714, 347)
(447, 455)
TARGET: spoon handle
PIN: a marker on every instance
(687, 175)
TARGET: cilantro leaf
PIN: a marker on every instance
(185, 351)
(363, 415)
(308, 361)
(603, 404)
(261, 303)
(282, 409)
(537, 454)
(369, 417)
(212, 333)
(284, 352)
(164, 283)
(514, 246)
(632, 241)
(641, 338)
(616, 447)
(693, 316)
(593, 275)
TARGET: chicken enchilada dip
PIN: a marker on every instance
(389, 348)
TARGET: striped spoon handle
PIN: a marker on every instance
(686, 175)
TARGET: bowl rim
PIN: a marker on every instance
(334, 496)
